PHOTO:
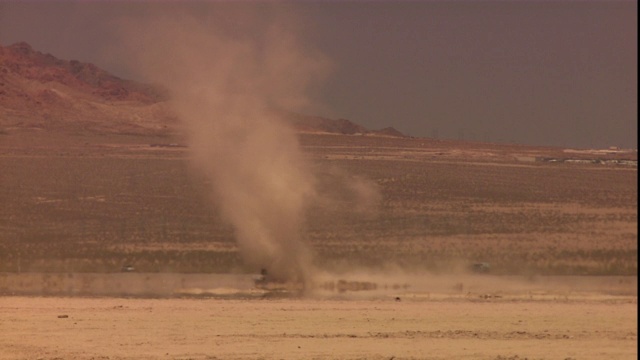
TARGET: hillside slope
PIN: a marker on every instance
(40, 91)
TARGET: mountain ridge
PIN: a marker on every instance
(40, 91)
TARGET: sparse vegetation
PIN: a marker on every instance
(94, 207)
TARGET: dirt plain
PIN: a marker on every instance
(450, 328)
(560, 238)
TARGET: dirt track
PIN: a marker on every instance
(492, 318)
(587, 327)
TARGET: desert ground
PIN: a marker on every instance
(557, 229)
(306, 328)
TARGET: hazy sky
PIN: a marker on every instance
(534, 72)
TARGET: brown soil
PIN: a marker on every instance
(582, 327)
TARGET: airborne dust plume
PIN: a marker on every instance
(225, 80)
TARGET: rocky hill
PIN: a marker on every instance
(317, 124)
(40, 91)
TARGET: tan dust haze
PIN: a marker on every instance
(225, 77)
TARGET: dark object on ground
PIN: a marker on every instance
(481, 268)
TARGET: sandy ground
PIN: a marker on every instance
(574, 323)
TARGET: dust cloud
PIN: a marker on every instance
(226, 74)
